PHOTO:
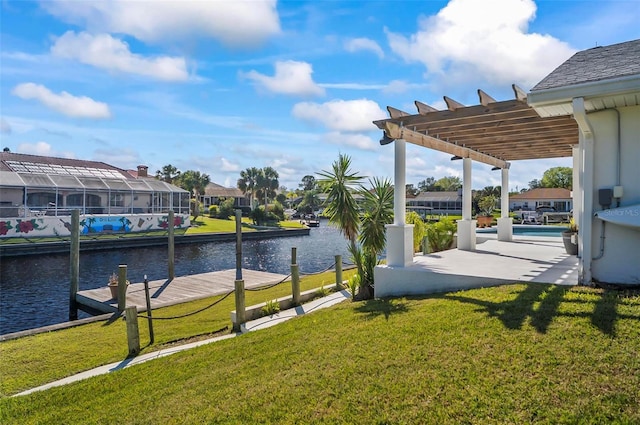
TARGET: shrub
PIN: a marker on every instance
(440, 234)
(196, 208)
(258, 216)
(486, 204)
(213, 211)
(353, 284)
(419, 230)
(271, 307)
(278, 210)
(225, 209)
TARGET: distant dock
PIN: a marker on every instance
(164, 293)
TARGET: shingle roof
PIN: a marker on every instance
(596, 64)
(214, 189)
(543, 193)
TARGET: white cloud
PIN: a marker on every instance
(357, 141)
(358, 44)
(65, 103)
(228, 166)
(5, 127)
(341, 115)
(234, 23)
(42, 148)
(291, 77)
(104, 51)
(125, 157)
(483, 38)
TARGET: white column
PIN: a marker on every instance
(400, 182)
(576, 190)
(505, 225)
(399, 234)
(466, 226)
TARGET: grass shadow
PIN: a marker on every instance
(513, 313)
(385, 306)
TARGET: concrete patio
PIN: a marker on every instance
(525, 259)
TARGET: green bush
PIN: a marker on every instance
(213, 211)
(226, 209)
(258, 216)
(419, 230)
(278, 210)
(440, 234)
(271, 307)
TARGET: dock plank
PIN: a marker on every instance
(182, 289)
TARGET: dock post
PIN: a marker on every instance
(338, 272)
(146, 295)
(74, 267)
(122, 287)
(295, 277)
(171, 222)
(240, 306)
(133, 332)
(239, 282)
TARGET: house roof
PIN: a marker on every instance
(438, 196)
(217, 190)
(542, 193)
(18, 162)
(604, 77)
(596, 64)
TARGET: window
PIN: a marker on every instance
(116, 200)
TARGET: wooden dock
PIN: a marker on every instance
(182, 289)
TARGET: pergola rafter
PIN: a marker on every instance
(504, 130)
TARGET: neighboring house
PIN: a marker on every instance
(600, 89)
(214, 194)
(38, 193)
(426, 203)
(558, 198)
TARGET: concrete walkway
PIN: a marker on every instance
(254, 325)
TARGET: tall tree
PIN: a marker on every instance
(410, 190)
(558, 177)
(448, 184)
(427, 185)
(194, 181)
(310, 202)
(534, 184)
(248, 182)
(308, 183)
(267, 184)
(168, 173)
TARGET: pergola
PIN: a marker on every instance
(493, 133)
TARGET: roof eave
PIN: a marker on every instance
(557, 101)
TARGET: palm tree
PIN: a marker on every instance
(310, 202)
(339, 184)
(248, 182)
(194, 181)
(267, 184)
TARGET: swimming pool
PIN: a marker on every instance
(530, 230)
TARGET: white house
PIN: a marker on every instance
(600, 89)
(556, 197)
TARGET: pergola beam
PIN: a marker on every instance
(394, 131)
(424, 109)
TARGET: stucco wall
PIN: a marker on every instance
(48, 226)
(620, 261)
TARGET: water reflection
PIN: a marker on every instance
(34, 290)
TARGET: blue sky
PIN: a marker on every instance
(220, 86)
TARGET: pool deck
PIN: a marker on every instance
(540, 259)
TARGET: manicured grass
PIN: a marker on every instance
(50, 356)
(510, 354)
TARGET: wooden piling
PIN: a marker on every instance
(171, 222)
(74, 264)
(295, 278)
(148, 301)
(240, 306)
(122, 287)
(133, 332)
(338, 272)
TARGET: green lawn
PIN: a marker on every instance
(510, 354)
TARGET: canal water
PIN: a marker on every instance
(34, 290)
